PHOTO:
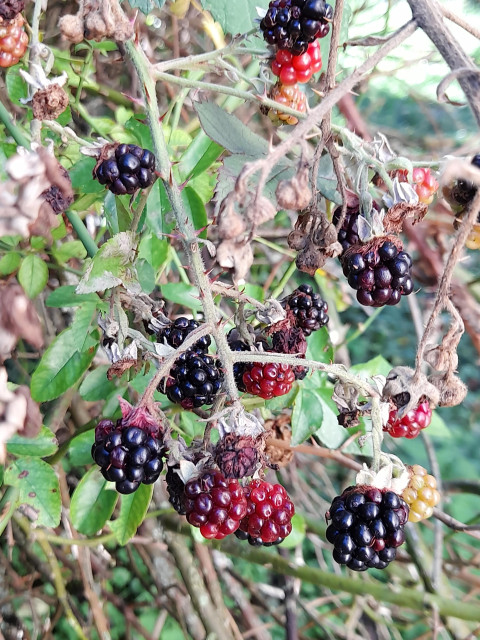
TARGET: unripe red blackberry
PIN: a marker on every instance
(367, 527)
(292, 24)
(410, 425)
(424, 183)
(268, 379)
(421, 494)
(292, 69)
(126, 170)
(308, 308)
(269, 514)
(129, 452)
(13, 41)
(175, 334)
(214, 504)
(381, 276)
(195, 379)
(10, 8)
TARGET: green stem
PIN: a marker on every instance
(184, 224)
(286, 277)
(12, 128)
(82, 232)
(8, 505)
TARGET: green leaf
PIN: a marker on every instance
(226, 129)
(96, 386)
(183, 294)
(80, 449)
(235, 17)
(16, 86)
(194, 205)
(68, 250)
(154, 250)
(307, 415)
(113, 265)
(146, 276)
(33, 275)
(9, 263)
(60, 367)
(81, 176)
(297, 535)
(92, 504)
(83, 321)
(319, 346)
(374, 367)
(132, 512)
(39, 488)
(44, 444)
(146, 6)
(199, 156)
(67, 297)
(327, 180)
(331, 434)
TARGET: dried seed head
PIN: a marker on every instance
(294, 194)
(237, 257)
(451, 389)
(49, 103)
(239, 456)
(96, 20)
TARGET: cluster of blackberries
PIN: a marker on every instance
(379, 276)
(127, 455)
(129, 169)
(367, 526)
(175, 334)
(259, 512)
(309, 309)
(293, 24)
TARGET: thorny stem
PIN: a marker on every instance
(35, 55)
(444, 286)
(185, 226)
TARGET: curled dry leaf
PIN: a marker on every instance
(237, 257)
(18, 319)
(279, 436)
(23, 210)
(18, 413)
(96, 20)
(398, 213)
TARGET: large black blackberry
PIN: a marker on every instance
(127, 455)
(367, 526)
(126, 170)
(175, 334)
(176, 488)
(293, 24)
(309, 309)
(194, 380)
(380, 276)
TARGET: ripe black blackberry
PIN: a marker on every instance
(127, 455)
(293, 24)
(176, 488)
(175, 334)
(10, 8)
(195, 379)
(367, 526)
(381, 275)
(309, 309)
(348, 233)
(126, 170)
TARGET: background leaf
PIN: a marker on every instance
(44, 444)
(33, 275)
(132, 512)
(92, 504)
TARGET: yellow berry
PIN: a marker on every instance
(418, 470)
(413, 516)
(409, 495)
(426, 494)
(421, 494)
(416, 482)
(429, 481)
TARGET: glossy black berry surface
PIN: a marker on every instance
(175, 334)
(195, 380)
(129, 169)
(128, 456)
(308, 308)
(366, 527)
(293, 24)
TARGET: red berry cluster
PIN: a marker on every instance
(292, 69)
(268, 380)
(269, 514)
(13, 41)
(424, 183)
(410, 425)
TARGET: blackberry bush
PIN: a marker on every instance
(268, 516)
(366, 527)
(293, 24)
(195, 379)
(308, 308)
(214, 504)
(126, 169)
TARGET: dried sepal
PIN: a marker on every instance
(236, 257)
(406, 390)
(392, 475)
(97, 20)
(295, 194)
